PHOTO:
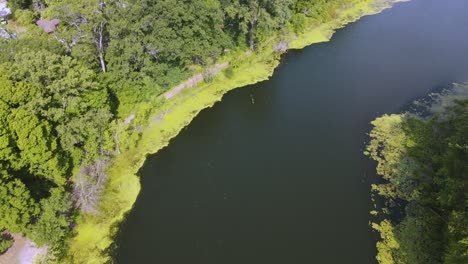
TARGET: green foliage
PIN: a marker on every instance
(54, 117)
(64, 98)
(17, 208)
(157, 42)
(33, 41)
(19, 4)
(67, 96)
(53, 225)
(388, 246)
(298, 23)
(424, 165)
(457, 236)
(24, 17)
(387, 145)
(5, 244)
(229, 72)
(320, 10)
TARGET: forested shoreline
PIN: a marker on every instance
(423, 161)
(75, 103)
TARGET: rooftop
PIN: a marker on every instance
(48, 26)
(4, 10)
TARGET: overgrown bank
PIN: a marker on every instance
(423, 161)
(86, 100)
(170, 116)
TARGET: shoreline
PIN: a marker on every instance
(95, 233)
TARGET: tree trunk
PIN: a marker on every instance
(99, 35)
(253, 24)
(98, 41)
(103, 63)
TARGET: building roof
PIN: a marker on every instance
(4, 10)
(48, 26)
(4, 33)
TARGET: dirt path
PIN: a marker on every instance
(23, 251)
(195, 80)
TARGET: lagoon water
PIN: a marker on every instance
(275, 173)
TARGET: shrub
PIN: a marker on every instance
(24, 17)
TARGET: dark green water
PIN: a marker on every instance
(283, 180)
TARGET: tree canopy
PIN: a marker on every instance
(424, 167)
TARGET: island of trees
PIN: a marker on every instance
(422, 212)
(68, 89)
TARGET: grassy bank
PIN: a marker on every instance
(166, 118)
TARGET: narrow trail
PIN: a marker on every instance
(23, 251)
(195, 80)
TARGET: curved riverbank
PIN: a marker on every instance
(165, 121)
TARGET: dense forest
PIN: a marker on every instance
(64, 94)
(423, 218)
